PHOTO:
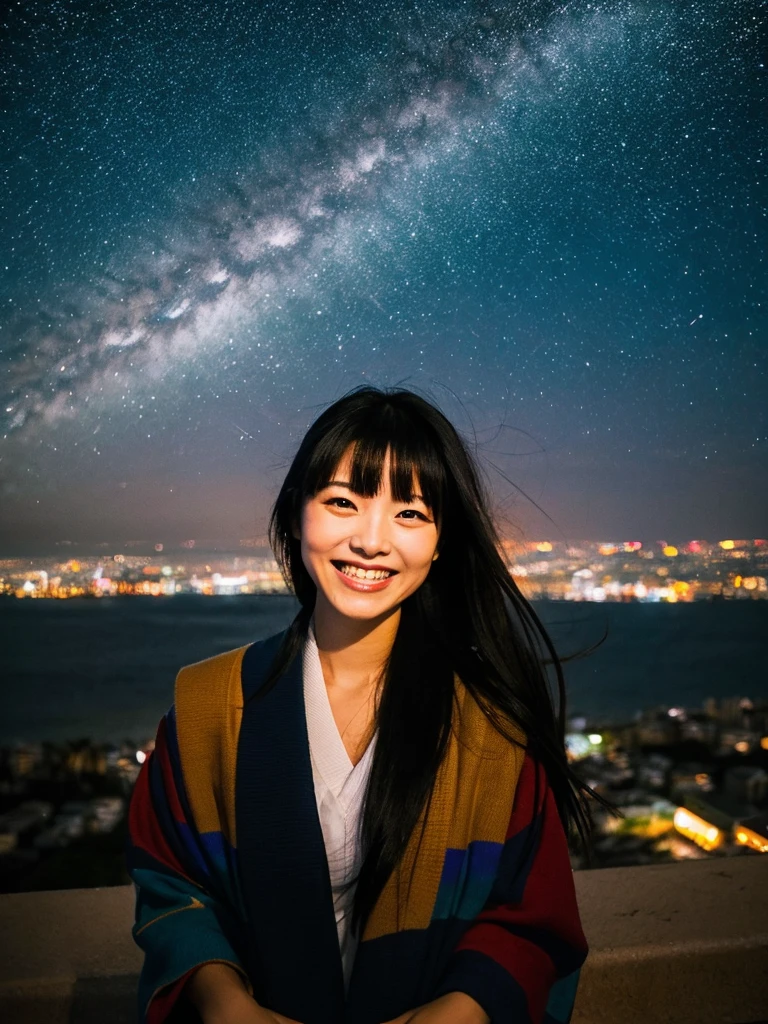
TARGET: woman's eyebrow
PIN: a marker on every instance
(348, 485)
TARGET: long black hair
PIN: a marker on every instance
(468, 618)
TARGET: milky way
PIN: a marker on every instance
(223, 215)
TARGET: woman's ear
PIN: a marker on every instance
(435, 556)
(296, 530)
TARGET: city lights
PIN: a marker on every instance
(605, 572)
(703, 833)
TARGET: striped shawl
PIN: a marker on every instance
(227, 856)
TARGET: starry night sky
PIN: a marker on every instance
(550, 217)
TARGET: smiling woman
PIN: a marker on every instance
(368, 812)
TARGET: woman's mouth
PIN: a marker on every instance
(359, 578)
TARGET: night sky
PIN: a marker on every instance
(550, 217)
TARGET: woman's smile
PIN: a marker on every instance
(362, 578)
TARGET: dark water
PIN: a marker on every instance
(105, 668)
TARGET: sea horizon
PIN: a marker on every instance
(106, 668)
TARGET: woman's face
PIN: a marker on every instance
(366, 555)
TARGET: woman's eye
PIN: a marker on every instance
(339, 502)
(412, 513)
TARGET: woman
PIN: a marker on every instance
(361, 819)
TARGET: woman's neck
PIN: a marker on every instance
(353, 652)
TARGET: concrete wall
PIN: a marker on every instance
(677, 943)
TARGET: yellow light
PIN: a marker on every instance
(737, 581)
(702, 832)
(747, 837)
(751, 583)
(727, 545)
(74, 566)
(742, 746)
(670, 551)
(544, 546)
(595, 738)
(607, 549)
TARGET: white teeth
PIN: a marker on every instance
(365, 574)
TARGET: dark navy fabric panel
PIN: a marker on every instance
(294, 962)
(172, 741)
(516, 860)
(564, 956)
(398, 972)
(502, 998)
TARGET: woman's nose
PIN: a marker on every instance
(371, 536)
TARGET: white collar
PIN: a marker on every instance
(326, 746)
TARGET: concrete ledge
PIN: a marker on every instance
(682, 943)
(67, 957)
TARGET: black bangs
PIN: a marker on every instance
(416, 463)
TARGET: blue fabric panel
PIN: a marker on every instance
(561, 999)
(466, 881)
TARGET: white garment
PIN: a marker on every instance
(339, 792)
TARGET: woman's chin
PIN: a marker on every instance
(359, 606)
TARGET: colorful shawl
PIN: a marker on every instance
(227, 856)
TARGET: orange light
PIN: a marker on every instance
(703, 833)
(544, 545)
(764, 742)
(747, 837)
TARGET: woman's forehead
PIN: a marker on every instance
(344, 470)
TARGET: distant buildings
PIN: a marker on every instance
(688, 782)
(633, 571)
(627, 571)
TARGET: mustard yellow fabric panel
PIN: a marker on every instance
(471, 801)
(209, 710)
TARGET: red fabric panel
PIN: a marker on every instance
(144, 827)
(166, 999)
(548, 905)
